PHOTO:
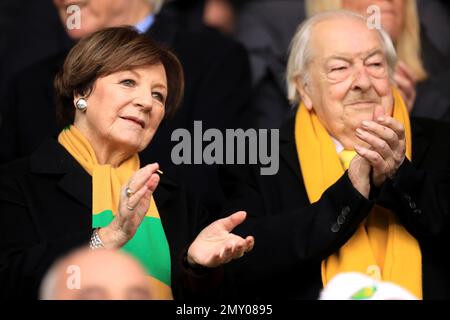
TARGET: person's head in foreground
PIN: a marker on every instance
(358, 286)
(98, 275)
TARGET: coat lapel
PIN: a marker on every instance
(51, 158)
(288, 150)
(419, 142)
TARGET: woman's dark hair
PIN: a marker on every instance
(105, 52)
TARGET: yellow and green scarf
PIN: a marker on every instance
(149, 245)
(383, 247)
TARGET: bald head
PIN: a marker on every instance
(98, 275)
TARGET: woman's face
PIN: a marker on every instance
(392, 13)
(124, 109)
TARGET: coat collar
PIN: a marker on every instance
(51, 158)
(288, 149)
(420, 143)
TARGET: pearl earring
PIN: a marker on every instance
(81, 105)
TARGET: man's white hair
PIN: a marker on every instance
(300, 49)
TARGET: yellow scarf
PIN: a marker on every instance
(149, 244)
(385, 249)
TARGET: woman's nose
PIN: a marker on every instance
(144, 100)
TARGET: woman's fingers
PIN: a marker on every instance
(235, 248)
(250, 243)
(141, 177)
(153, 182)
(134, 200)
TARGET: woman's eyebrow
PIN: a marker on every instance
(160, 85)
(131, 71)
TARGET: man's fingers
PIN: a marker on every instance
(384, 133)
(378, 112)
(392, 124)
(374, 158)
(378, 144)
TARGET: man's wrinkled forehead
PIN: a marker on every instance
(345, 37)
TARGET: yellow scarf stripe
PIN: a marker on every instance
(386, 245)
(149, 245)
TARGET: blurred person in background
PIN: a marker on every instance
(435, 19)
(422, 72)
(265, 28)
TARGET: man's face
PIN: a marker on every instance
(348, 76)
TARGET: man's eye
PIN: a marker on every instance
(128, 82)
(158, 96)
(339, 68)
(376, 64)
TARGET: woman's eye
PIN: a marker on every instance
(158, 96)
(128, 82)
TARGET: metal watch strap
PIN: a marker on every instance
(96, 242)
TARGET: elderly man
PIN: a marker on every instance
(359, 189)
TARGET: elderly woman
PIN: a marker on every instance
(87, 186)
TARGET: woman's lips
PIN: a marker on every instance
(135, 120)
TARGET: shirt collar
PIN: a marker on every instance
(143, 25)
(338, 145)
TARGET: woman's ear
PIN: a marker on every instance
(76, 97)
(303, 89)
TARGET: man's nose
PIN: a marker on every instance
(361, 79)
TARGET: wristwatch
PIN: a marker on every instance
(95, 242)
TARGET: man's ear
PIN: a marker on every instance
(302, 88)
